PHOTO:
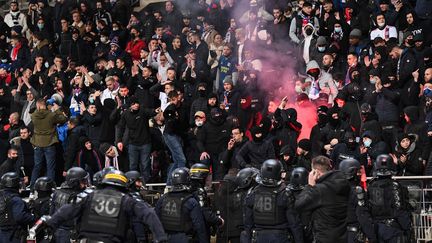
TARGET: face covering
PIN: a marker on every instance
(322, 119)
(258, 139)
(199, 123)
(411, 42)
(298, 89)
(115, 28)
(355, 79)
(338, 29)
(104, 40)
(381, 25)
(202, 93)
(372, 81)
(308, 31)
(334, 122)
(4, 60)
(427, 91)
(321, 48)
(367, 143)
(351, 144)
(40, 26)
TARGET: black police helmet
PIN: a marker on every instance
(97, 178)
(246, 176)
(299, 177)
(134, 176)
(108, 169)
(350, 168)
(180, 176)
(10, 180)
(199, 171)
(75, 175)
(44, 184)
(271, 172)
(115, 178)
(383, 165)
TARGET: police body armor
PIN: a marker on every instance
(384, 198)
(267, 212)
(104, 214)
(202, 198)
(40, 207)
(173, 217)
(6, 215)
(235, 209)
(63, 197)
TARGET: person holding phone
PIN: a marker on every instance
(326, 197)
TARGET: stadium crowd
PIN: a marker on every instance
(225, 83)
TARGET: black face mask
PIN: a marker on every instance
(351, 145)
(308, 31)
(202, 93)
(218, 119)
(322, 119)
(334, 122)
(356, 79)
(258, 139)
(14, 159)
(134, 111)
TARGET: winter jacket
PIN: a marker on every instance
(45, 123)
(138, 126)
(413, 166)
(328, 202)
(213, 137)
(255, 153)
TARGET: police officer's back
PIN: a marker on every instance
(232, 207)
(135, 184)
(385, 204)
(298, 180)
(14, 214)
(104, 214)
(269, 214)
(40, 206)
(76, 182)
(180, 212)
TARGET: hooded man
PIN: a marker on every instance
(298, 23)
(383, 30)
(255, 152)
(322, 82)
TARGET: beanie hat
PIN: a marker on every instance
(228, 80)
(104, 147)
(355, 33)
(305, 144)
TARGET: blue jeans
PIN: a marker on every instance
(174, 144)
(139, 159)
(39, 153)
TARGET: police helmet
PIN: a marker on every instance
(299, 177)
(134, 176)
(350, 167)
(246, 176)
(108, 169)
(97, 178)
(199, 171)
(44, 184)
(383, 165)
(271, 172)
(115, 178)
(75, 175)
(180, 176)
(10, 180)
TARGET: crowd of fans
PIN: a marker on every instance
(94, 84)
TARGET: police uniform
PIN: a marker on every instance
(182, 217)
(386, 206)
(104, 215)
(60, 198)
(269, 213)
(14, 216)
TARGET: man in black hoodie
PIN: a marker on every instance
(418, 127)
(326, 197)
(255, 152)
(228, 157)
(212, 139)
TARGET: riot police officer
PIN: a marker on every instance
(97, 179)
(14, 214)
(135, 186)
(40, 206)
(232, 209)
(180, 212)
(298, 180)
(351, 168)
(385, 205)
(269, 214)
(103, 215)
(76, 182)
(198, 176)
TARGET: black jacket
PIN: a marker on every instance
(255, 153)
(328, 202)
(213, 137)
(137, 123)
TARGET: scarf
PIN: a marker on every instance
(114, 159)
(307, 42)
(15, 51)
